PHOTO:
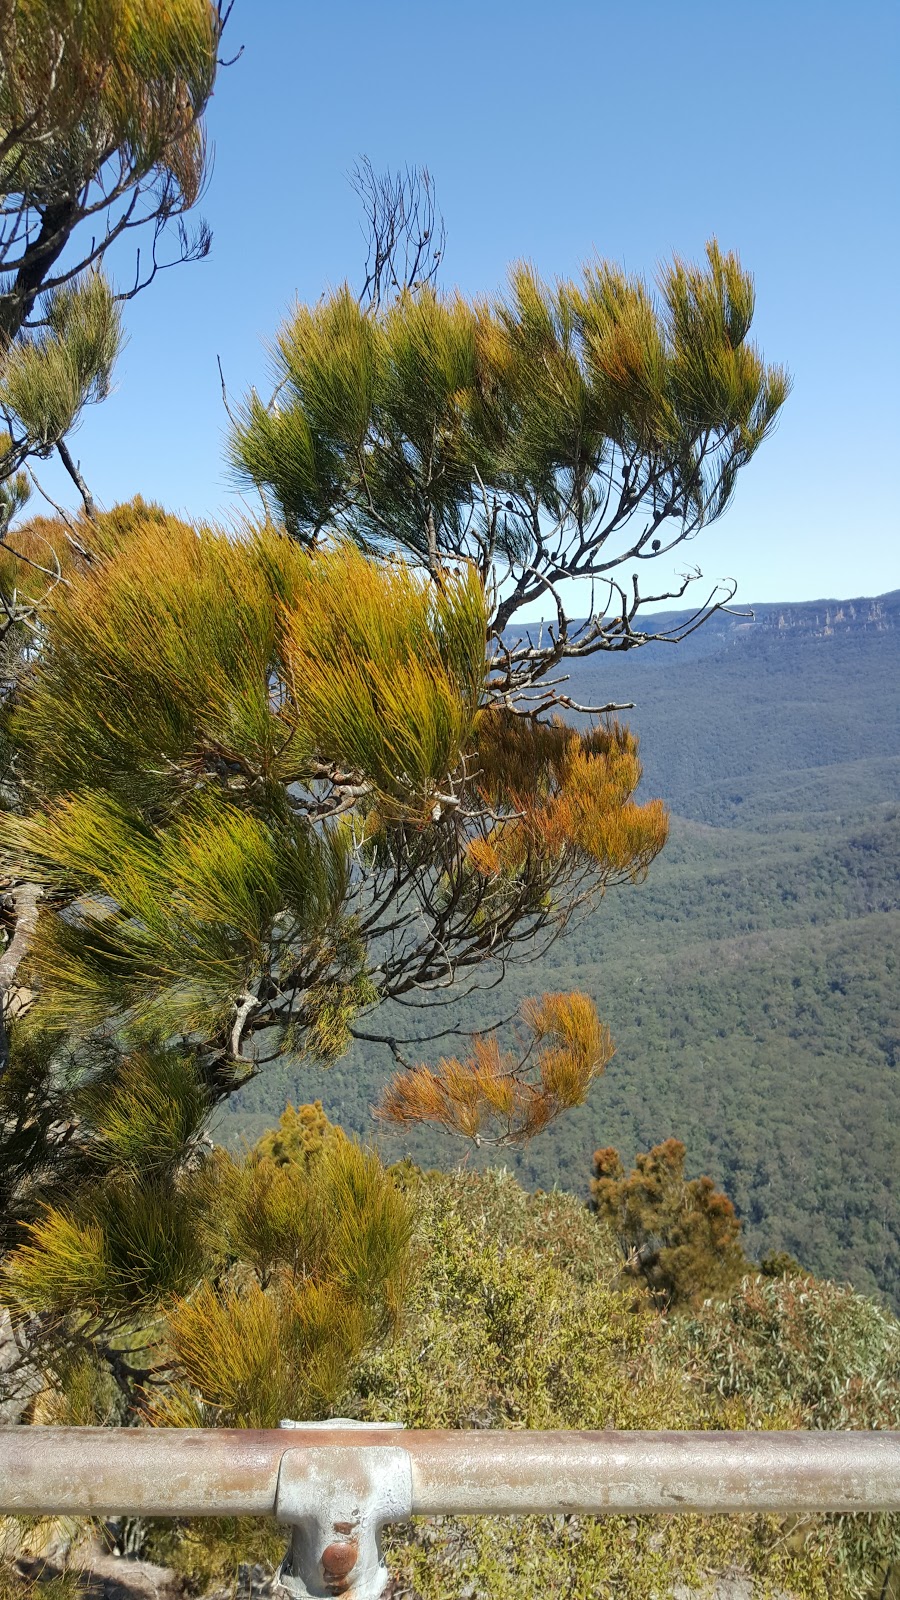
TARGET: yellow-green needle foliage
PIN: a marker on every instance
(101, 106)
(172, 924)
(247, 1288)
(329, 1245)
(301, 1133)
(184, 656)
(121, 1228)
(550, 433)
(124, 1249)
(47, 379)
(204, 711)
(97, 98)
(268, 786)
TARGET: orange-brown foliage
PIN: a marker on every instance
(500, 1096)
(681, 1237)
(570, 795)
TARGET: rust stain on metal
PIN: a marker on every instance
(338, 1561)
(230, 1471)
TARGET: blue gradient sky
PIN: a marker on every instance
(555, 131)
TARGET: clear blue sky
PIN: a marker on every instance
(555, 131)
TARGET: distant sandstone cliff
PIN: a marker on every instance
(824, 617)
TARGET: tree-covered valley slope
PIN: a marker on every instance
(751, 983)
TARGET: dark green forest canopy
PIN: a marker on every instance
(752, 984)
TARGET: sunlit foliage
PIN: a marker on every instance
(548, 433)
(329, 1250)
(48, 377)
(679, 1237)
(252, 757)
(266, 777)
(254, 1283)
(101, 107)
(504, 1097)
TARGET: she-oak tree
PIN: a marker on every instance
(277, 775)
(262, 779)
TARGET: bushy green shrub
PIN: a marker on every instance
(518, 1318)
(827, 1356)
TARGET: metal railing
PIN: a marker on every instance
(336, 1484)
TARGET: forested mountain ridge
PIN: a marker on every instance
(752, 983)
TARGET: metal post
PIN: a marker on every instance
(336, 1500)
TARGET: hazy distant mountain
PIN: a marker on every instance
(746, 624)
(741, 708)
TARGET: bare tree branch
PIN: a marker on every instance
(406, 232)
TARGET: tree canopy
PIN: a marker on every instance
(273, 791)
(101, 138)
(261, 778)
(548, 434)
(679, 1236)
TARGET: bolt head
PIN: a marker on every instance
(339, 1559)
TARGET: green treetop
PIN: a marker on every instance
(549, 434)
(101, 107)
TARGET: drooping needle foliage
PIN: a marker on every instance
(265, 769)
(101, 134)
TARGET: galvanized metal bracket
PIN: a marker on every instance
(337, 1499)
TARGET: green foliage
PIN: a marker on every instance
(145, 1120)
(165, 655)
(751, 985)
(495, 1336)
(80, 1391)
(819, 1347)
(302, 1134)
(59, 1586)
(253, 1285)
(401, 424)
(15, 490)
(46, 379)
(492, 1333)
(819, 1351)
(328, 1245)
(125, 1249)
(253, 1356)
(154, 705)
(101, 104)
(253, 760)
(338, 1218)
(116, 69)
(173, 923)
(386, 672)
(33, 1104)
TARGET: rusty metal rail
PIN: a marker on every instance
(187, 1472)
(336, 1485)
